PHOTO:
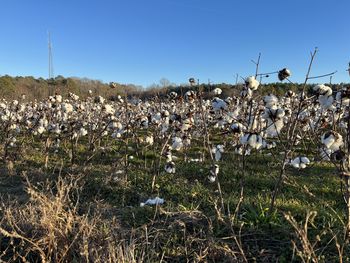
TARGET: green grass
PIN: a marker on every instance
(265, 235)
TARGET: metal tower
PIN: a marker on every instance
(50, 57)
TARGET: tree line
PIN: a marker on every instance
(30, 88)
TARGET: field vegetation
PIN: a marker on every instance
(197, 173)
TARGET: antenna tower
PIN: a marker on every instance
(50, 57)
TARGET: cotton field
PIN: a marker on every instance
(243, 125)
(216, 147)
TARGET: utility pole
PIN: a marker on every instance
(50, 57)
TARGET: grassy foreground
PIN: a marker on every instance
(90, 211)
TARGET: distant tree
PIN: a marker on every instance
(7, 86)
(164, 83)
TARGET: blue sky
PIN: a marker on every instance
(142, 41)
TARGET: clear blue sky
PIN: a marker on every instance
(142, 41)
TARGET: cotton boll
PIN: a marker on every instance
(177, 144)
(337, 144)
(271, 145)
(295, 163)
(254, 140)
(246, 93)
(283, 74)
(3, 105)
(144, 122)
(302, 166)
(217, 156)
(274, 128)
(40, 129)
(99, 99)
(214, 171)
(236, 128)
(67, 107)
(12, 126)
(332, 140)
(279, 113)
(156, 118)
(325, 101)
(58, 98)
(154, 201)
(238, 150)
(300, 162)
(273, 114)
(212, 178)
(323, 90)
(219, 104)
(290, 94)
(190, 96)
(305, 160)
(252, 83)
(270, 101)
(343, 96)
(108, 109)
(169, 156)
(218, 150)
(149, 140)
(73, 96)
(13, 142)
(170, 167)
(115, 125)
(217, 91)
(244, 138)
(173, 95)
(328, 139)
(116, 134)
(83, 132)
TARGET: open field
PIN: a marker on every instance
(248, 178)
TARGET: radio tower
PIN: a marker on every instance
(50, 57)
